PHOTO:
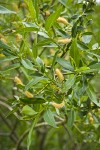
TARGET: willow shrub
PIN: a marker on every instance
(49, 55)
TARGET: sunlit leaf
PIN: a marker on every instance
(49, 118)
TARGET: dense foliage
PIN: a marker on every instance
(49, 71)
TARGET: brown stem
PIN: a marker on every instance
(12, 136)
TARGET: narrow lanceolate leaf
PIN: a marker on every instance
(95, 66)
(4, 10)
(28, 27)
(29, 140)
(31, 9)
(52, 18)
(71, 118)
(74, 52)
(7, 58)
(45, 42)
(27, 64)
(54, 60)
(86, 37)
(91, 94)
(3, 45)
(64, 63)
(11, 67)
(69, 83)
(49, 118)
(36, 6)
(34, 82)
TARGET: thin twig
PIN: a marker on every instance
(12, 136)
(10, 108)
(65, 127)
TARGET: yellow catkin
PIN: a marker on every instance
(18, 81)
(28, 94)
(18, 37)
(64, 41)
(62, 20)
(91, 120)
(47, 13)
(59, 74)
(56, 105)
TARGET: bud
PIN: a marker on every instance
(28, 94)
(23, 5)
(91, 120)
(62, 20)
(13, 31)
(59, 74)
(58, 105)
(18, 37)
(18, 81)
(89, 114)
(15, 7)
(64, 41)
(47, 13)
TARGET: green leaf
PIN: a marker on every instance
(74, 29)
(28, 27)
(32, 100)
(63, 2)
(82, 45)
(95, 46)
(69, 83)
(11, 67)
(25, 72)
(27, 64)
(95, 66)
(31, 9)
(52, 18)
(36, 6)
(74, 52)
(7, 58)
(27, 110)
(45, 42)
(54, 60)
(93, 54)
(91, 94)
(86, 37)
(4, 10)
(49, 118)
(39, 61)
(3, 45)
(44, 34)
(71, 118)
(64, 63)
(29, 140)
(34, 81)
